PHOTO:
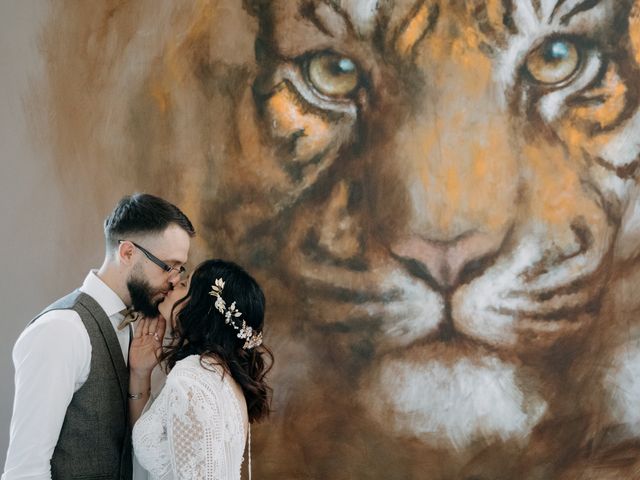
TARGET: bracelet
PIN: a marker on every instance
(135, 396)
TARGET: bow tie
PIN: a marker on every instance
(129, 315)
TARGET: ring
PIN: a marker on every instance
(149, 333)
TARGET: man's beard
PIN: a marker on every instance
(142, 295)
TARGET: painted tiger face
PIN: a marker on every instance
(441, 201)
(444, 186)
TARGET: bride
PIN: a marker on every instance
(198, 425)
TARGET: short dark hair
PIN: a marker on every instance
(142, 213)
(202, 330)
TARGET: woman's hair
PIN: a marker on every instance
(201, 329)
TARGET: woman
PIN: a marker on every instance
(198, 425)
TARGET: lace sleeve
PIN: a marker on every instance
(194, 428)
(194, 423)
(150, 439)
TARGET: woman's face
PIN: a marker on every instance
(165, 307)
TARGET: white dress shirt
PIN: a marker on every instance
(52, 359)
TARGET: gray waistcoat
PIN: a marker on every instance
(95, 439)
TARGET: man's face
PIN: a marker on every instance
(148, 283)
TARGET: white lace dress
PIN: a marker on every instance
(196, 427)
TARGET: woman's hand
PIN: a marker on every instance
(146, 345)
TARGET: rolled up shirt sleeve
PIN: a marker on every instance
(52, 358)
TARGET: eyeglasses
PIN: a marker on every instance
(164, 266)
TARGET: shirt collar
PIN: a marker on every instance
(108, 300)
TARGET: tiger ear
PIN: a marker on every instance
(634, 30)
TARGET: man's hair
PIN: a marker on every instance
(141, 214)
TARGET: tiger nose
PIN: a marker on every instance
(451, 261)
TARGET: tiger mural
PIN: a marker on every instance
(440, 198)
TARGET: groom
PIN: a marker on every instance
(70, 406)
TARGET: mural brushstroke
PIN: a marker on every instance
(440, 198)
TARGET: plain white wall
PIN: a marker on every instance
(44, 254)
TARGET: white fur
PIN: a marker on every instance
(624, 147)
(627, 244)
(417, 314)
(362, 13)
(473, 304)
(623, 382)
(525, 17)
(455, 404)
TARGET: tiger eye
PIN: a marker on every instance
(553, 62)
(333, 75)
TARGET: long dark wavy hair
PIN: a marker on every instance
(201, 329)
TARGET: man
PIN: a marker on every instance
(70, 406)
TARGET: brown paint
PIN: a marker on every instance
(364, 230)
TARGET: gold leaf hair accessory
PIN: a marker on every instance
(252, 338)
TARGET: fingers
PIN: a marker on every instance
(153, 322)
(161, 327)
(138, 331)
(145, 326)
(151, 326)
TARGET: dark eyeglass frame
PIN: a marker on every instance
(163, 265)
